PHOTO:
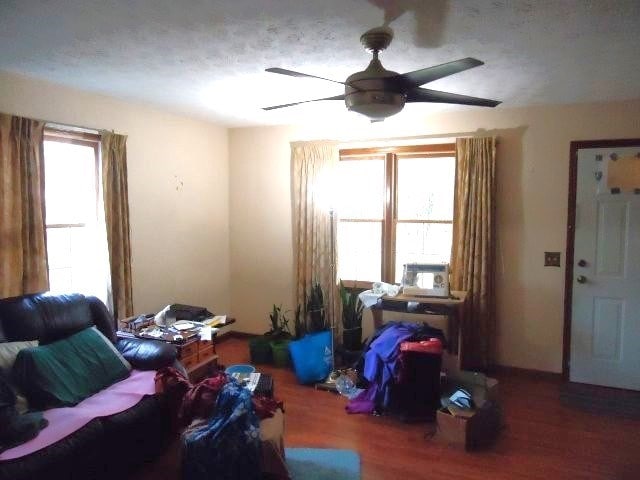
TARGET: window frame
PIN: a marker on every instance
(391, 156)
(86, 140)
(83, 139)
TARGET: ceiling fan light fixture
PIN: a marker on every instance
(375, 104)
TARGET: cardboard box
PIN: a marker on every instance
(482, 388)
(478, 428)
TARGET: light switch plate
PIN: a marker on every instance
(551, 259)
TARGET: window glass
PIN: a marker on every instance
(422, 243)
(70, 183)
(359, 250)
(418, 226)
(361, 189)
(425, 188)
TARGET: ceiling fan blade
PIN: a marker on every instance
(337, 97)
(430, 74)
(291, 73)
(434, 96)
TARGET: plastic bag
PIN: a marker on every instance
(311, 357)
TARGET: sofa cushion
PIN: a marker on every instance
(8, 353)
(147, 354)
(67, 371)
(113, 400)
(102, 318)
(119, 437)
(44, 317)
(76, 456)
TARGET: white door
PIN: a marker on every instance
(605, 323)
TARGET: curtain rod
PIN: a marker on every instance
(78, 129)
(70, 128)
(65, 126)
(451, 136)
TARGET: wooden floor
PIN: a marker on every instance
(543, 439)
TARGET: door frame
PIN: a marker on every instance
(571, 223)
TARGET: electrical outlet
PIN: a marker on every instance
(551, 259)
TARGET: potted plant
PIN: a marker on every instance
(352, 309)
(299, 325)
(260, 348)
(279, 323)
(280, 336)
(315, 310)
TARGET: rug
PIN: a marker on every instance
(602, 400)
(322, 464)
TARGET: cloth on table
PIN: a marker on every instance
(370, 297)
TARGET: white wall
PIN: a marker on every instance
(533, 167)
(178, 189)
(211, 221)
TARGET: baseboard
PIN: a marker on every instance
(234, 334)
(526, 372)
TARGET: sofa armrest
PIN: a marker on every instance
(146, 354)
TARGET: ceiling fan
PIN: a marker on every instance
(379, 93)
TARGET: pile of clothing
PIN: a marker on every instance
(221, 416)
(381, 364)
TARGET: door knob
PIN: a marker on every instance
(581, 279)
(582, 263)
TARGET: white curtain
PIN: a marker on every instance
(313, 177)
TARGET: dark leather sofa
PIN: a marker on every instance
(106, 447)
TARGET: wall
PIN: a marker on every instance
(533, 160)
(211, 222)
(178, 190)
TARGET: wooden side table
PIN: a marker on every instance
(451, 307)
(196, 354)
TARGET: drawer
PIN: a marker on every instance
(190, 361)
(188, 350)
(205, 354)
(204, 344)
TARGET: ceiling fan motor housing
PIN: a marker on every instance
(367, 92)
(375, 104)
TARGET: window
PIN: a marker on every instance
(395, 207)
(76, 239)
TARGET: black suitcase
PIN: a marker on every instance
(416, 396)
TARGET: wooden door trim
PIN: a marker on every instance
(571, 223)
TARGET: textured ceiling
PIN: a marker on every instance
(207, 58)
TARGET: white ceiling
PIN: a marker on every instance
(207, 58)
